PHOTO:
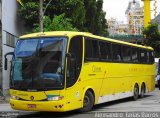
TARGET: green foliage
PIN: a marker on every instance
(152, 36)
(74, 9)
(59, 23)
(82, 15)
(95, 17)
(29, 13)
(151, 33)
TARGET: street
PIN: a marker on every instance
(150, 103)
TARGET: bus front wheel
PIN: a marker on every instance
(88, 101)
(135, 92)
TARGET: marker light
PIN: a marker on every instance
(14, 97)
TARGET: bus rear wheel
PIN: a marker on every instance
(135, 92)
(143, 90)
(88, 102)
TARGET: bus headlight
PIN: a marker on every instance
(54, 98)
(14, 97)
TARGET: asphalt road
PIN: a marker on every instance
(149, 104)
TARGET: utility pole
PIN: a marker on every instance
(41, 15)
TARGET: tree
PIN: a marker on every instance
(73, 10)
(152, 37)
(95, 17)
(81, 15)
(59, 23)
(29, 12)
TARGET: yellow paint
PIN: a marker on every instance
(104, 78)
(20, 2)
(147, 14)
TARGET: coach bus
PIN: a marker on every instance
(63, 70)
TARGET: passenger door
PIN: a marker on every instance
(74, 65)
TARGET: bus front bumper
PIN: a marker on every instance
(57, 106)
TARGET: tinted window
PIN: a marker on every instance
(147, 57)
(126, 50)
(91, 49)
(26, 48)
(143, 58)
(105, 51)
(134, 55)
(75, 61)
(116, 50)
(151, 57)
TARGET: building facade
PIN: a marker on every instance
(12, 28)
(116, 27)
(157, 20)
(135, 18)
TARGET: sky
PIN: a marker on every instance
(117, 8)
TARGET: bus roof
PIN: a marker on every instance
(73, 33)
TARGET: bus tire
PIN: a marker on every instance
(143, 90)
(135, 92)
(88, 101)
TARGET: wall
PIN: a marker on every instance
(10, 24)
(0, 44)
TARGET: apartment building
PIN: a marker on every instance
(135, 18)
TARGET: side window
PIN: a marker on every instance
(88, 49)
(116, 49)
(105, 51)
(126, 51)
(91, 49)
(134, 55)
(143, 58)
(75, 61)
(95, 49)
(147, 57)
(151, 57)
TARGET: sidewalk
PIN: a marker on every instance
(3, 99)
(5, 107)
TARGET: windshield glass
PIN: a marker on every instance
(26, 48)
(38, 64)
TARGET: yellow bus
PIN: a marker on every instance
(62, 71)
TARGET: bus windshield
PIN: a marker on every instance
(38, 64)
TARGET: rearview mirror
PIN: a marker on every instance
(6, 60)
(5, 64)
(68, 55)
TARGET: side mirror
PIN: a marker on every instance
(6, 60)
(71, 57)
(68, 55)
(5, 64)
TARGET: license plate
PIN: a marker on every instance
(31, 105)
